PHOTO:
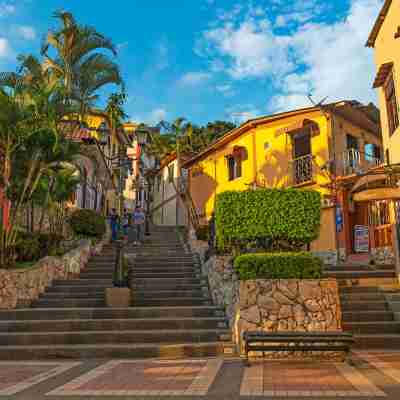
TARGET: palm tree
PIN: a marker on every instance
(74, 44)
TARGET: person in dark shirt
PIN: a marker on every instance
(114, 224)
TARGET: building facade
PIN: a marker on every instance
(312, 148)
(385, 40)
(167, 205)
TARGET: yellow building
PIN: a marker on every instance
(385, 39)
(311, 148)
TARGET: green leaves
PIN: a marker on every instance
(278, 266)
(278, 214)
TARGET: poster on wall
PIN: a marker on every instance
(361, 239)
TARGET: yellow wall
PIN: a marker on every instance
(270, 168)
(387, 49)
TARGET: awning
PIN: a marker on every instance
(377, 194)
(384, 71)
(300, 125)
(368, 179)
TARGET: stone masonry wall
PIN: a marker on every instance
(18, 288)
(288, 305)
(270, 305)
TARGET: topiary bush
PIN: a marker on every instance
(87, 223)
(290, 215)
(278, 266)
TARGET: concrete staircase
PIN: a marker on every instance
(369, 296)
(173, 315)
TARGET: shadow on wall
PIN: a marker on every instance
(203, 189)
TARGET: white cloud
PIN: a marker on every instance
(250, 48)
(5, 50)
(226, 89)
(242, 112)
(325, 59)
(337, 64)
(194, 78)
(26, 32)
(6, 9)
(151, 118)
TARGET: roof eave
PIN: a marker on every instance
(378, 24)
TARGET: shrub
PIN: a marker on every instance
(88, 223)
(28, 248)
(278, 266)
(290, 215)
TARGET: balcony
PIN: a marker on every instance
(302, 168)
(353, 161)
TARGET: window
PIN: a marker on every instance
(391, 105)
(379, 213)
(352, 142)
(234, 168)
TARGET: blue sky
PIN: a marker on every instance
(216, 59)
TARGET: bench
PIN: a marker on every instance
(296, 341)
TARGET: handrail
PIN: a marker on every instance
(119, 280)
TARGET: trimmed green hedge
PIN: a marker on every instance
(88, 223)
(279, 214)
(278, 266)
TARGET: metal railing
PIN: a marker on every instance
(353, 161)
(302, 168)
(119, 279)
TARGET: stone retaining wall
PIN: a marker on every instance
(270, 305)
(288, 305)
(19, 287)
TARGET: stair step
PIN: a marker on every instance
(360, 274)
(73, 295)
(164, 275)
(359, 289)
(165, 283)
(76, 289)
(381, 341)
(364, 305)
(349, 297)
(376, 327)
(109, 351)
(111, 337)
(110, 313)
(155, 294)
(84, 282)
(56, 303)
(70, 325)
(367, 316)
(172, 301)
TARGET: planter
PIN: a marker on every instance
(118, 297)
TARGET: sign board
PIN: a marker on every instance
(339, 219)
(361, 239)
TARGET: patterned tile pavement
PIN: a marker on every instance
(17, 376)
(302, 379)
(149, 378)
(368, 375)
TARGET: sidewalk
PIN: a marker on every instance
(366, 376)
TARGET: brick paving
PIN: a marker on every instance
(368, 375)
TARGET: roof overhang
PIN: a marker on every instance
(383, 73)
(299, 126)
(377, 194)
(378, 24)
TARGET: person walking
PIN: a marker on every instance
(138, 219)
(125, 224)
(114, 219)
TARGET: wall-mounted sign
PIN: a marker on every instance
(361, 239)
(339, 219)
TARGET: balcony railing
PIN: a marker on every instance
(356, 162)
(302, 169)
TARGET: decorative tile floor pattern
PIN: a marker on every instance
(299, 379)
(16, 376)
(148, 377)
(388, 364)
